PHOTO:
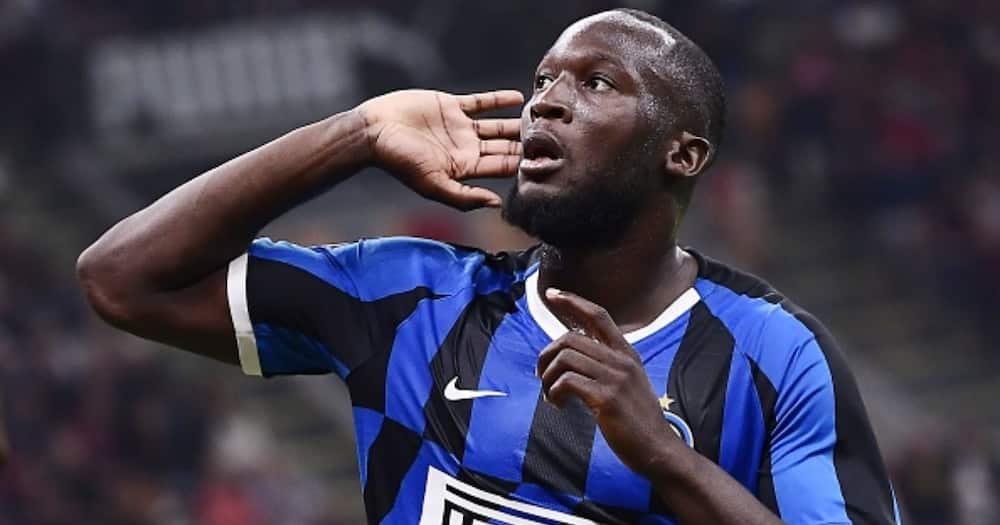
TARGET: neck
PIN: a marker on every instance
(634, 280)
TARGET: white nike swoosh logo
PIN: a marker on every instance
(453, 393)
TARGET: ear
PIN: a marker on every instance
(688, 155)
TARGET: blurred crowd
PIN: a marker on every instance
(953, 480)
(885, 114)
(881, 116)
(102, 429)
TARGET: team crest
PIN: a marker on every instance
(679, 426)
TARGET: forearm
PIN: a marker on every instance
(699, 492)
(162, 273)
(199, 227)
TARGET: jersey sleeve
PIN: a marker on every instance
(825, 465)
(321, 309)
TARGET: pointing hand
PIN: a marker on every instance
(594, 362)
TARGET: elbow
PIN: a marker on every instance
(104, 286)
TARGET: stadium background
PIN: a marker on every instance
(859, 175)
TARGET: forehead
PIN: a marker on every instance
(618, 36)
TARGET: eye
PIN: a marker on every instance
(599, 83)
(542, 82)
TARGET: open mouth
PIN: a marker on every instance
(542, 155)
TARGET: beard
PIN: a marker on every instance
(596, 212)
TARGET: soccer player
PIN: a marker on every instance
(604, 376)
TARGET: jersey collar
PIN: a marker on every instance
(554, 328)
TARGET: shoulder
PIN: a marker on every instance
(373, 250)
(779, 338)
(394, 264)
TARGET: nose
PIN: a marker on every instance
(553, 103)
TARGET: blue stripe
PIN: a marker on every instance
(753, 321)
(805, 479)
(509, 367)
(410, 501)
(283, 351)
(408, 380)
(377, 268)
(382, 267)
(609, 481)
(743, 433)
(367, 424)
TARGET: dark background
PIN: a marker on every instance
(858, 174)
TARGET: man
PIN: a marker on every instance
(606, 376)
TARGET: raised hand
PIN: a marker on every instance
(594, 362)
(429, 142)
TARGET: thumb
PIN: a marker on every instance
(442, 188)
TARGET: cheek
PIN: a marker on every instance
(610, 127)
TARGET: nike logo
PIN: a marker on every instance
(453, 393)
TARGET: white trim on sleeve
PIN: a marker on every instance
(236, 292)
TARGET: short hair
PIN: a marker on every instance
(698, 82)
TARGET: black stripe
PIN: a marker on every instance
(698, 378)
(605, 514)
(389, 459)
(557, 455)
(396, 447)
(697, 383)
(470, 497)
(366, 382)
(864, 480)
(464, 349)
(768, 396)
(740, 282)
(352, 329)
(462, 354)
(486, 482)
(560, 441)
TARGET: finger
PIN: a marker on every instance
(577, 341)
(571, 360)
(592, 318)
(574, 384)
(443, 189)
(495, 128)
(493, 166)
(499, 147)
(490, 100)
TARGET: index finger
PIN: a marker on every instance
(592, 318)
(490, 100)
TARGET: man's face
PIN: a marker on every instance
(590, 146)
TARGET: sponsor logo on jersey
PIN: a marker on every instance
(448, 501)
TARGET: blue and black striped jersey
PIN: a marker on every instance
(438, 346)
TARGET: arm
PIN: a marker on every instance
(160, 273)
(602, 369)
